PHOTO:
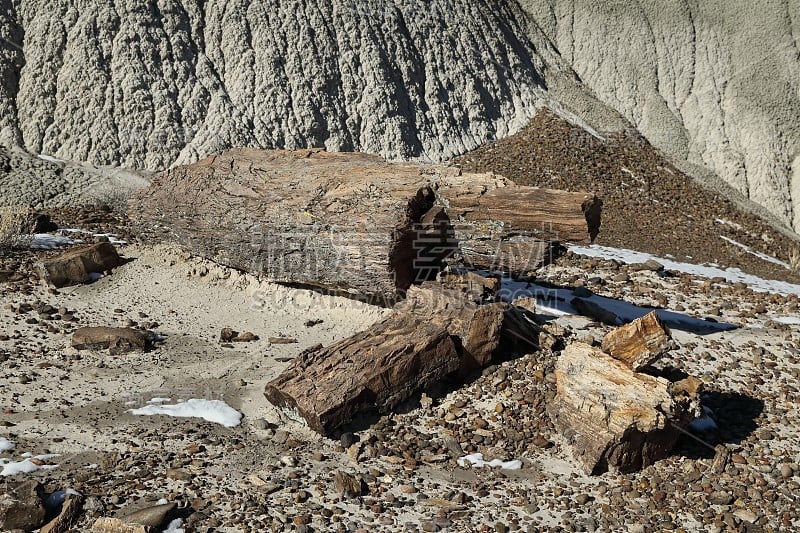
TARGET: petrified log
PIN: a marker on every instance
(354, 222)
(639, 343)
(116, 340)
(76, 265)
(459, 304)
(545, 214)
(616, 418)
(374, 370)
(70, 510)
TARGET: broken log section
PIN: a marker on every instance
(448, 326)
(372, 371)
(639, 343)
(354, 222)
(614, 417)
(77, 265)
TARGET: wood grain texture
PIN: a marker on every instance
(639, 343)
(354, 222)
(371, 372)
(615, 418)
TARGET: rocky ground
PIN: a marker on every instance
(272, 474)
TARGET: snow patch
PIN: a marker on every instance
(215, 411)
(760, 255)
(175, 526)
(732, 275)
(27, 465)
(55, 500)
(45, 241)
(6, 445)
(705, 422)
(791, 320)
(476, 460)
(557, 302)
(51, 159)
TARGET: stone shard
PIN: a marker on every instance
(639, 343)
(116, 340)
(21, 506)
(347, 485)
(70, 510)
(615, 418)
(371, 372)
(153, 516)
(75, 266)
(115, 525)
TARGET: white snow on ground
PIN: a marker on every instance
(749, 250)
(55, 500)
(791, 320)
(732, 275)
(215, 411)
(45, 241)
(26, 466)
(724, 222)
(705, 422)
(50, 158)
(476, 460)
(556, 302)
(159, 400)
(6, 445)
(113, 238)
(175, 526)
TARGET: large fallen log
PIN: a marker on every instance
(354, 222)
(372, 371)
(616, 418)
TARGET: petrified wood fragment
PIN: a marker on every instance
(639, 343)
(372, 371)
(75, 266)
(616, 418)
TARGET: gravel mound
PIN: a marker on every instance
(648, 204)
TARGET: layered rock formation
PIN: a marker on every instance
(149, 84)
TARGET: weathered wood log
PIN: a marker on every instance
(116, 340)
(616, 418)
(354, 222)
(458, 305)
(372, 371)
(76, 266)
(639, 343)
(546, 214)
